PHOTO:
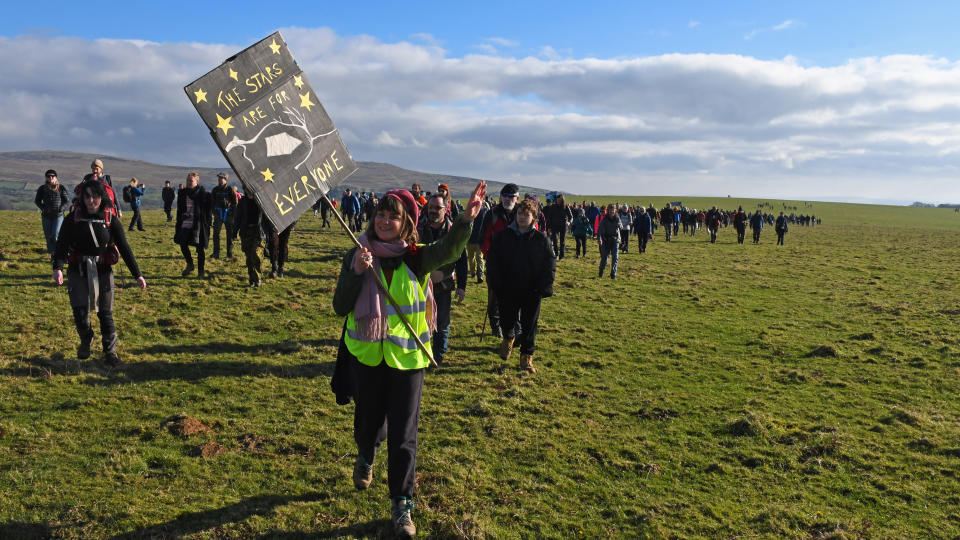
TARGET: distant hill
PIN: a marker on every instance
(22, 172)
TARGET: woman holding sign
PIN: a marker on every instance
(389, 366)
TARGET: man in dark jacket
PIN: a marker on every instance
(248, 225)
(168, 195)
(666, 219)
(134, 192)
(52, 201)
(756, 223)
(608, 234)
(558, 218)
(740, 224)
(643, 226)
(497, 219)
(520, 270)
(713, 224)
(350, 207)
(193, 222)
(781, 228)
(224, 203)
(92, 242)
(447, 277)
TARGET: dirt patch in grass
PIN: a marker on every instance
(182, 425)
(824, 351)
(209, 449)
(657, 413)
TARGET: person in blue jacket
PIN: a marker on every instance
(756, 223)
(135, 192)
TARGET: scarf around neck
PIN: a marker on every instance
(370, 309)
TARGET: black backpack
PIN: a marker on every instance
(126, 194)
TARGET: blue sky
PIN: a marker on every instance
(818, 100)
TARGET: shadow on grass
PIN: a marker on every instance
(190, 523)
(46, 367)
(230, 347)
(379, 528)
(26, 531)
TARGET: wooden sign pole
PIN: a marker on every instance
(381, 285)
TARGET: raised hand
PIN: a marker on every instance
(475, 202)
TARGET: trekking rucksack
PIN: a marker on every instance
(126, 194)
(110, 208)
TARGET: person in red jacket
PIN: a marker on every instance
(497, 219)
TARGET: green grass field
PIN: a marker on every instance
(811, 390)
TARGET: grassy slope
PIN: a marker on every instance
(690, 397)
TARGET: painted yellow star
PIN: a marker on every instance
(267, 176)
(233, 74)
(305, 101)
(274, 47)
(201, 95)
(224, 124)
(298, 81)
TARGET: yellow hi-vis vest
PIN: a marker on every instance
(398, 348)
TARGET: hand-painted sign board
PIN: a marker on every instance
(270, 125)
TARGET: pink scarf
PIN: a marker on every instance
(370, 310)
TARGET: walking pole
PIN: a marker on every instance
(383, 287)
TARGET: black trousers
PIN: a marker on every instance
(780, 237)
(168, 208)
(388, 409)
(581, 243)
(741, 233)
(624, 239)
(524, 310)
(493, 312)
(136, 220)
(756, 236)
(78, 291)
(559, 240)
(185, 249)
(642, 238)
(278, 248)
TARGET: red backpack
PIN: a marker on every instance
(110, 208)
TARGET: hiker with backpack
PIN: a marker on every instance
(132, 194)
(96, 173)
(91, 241)
(521, 266)
(52, 201)
(387, 365)
(582, 228)
(193, 222)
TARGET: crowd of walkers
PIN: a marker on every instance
(417, 252)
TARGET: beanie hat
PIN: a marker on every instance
(406, 199)
(510, 189)
(444, 187)
(51, 172)
(97, 163)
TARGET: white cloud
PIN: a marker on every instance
(693, 24)
(785, 25)
(503, 42)
(760, 127)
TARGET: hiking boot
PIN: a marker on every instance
(111, 359)
(280, 272)
(403, 525)
(362, 473)
(83, 351)
(187, 271)
(526, 363)
(201, 274)
(496, 332)
(506, 347)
